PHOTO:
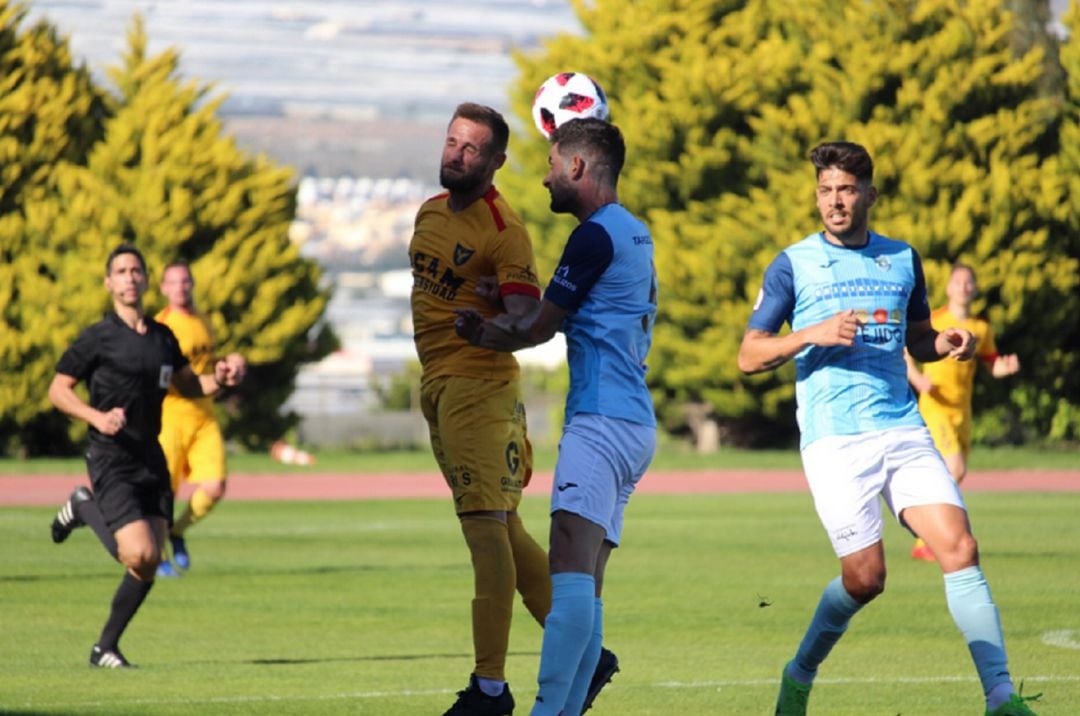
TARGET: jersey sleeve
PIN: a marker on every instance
(918, 308)
(79, 360)
(587, 254)
(515, 265)
(776, 300)
(179, 360)
(986, 348)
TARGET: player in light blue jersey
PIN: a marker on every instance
(854, 300)
(603, 297)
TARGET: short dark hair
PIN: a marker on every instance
(120, 250)
(178, 263)
(846, 156)
(600, 140)
(961, 266)
(490, 118)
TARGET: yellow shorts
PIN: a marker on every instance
(193, 446)
(478, 435)
(951, 430)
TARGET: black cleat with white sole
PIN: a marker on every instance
(108, 659)
(67, 518)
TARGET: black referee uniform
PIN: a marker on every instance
(126, 369)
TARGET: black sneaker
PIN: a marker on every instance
(108, 659)
(474, 702)
(606, 668)
(67, 518)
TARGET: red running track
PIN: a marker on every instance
(53, 489)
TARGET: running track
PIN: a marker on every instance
(53, 489)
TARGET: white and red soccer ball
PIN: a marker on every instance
(566, 96)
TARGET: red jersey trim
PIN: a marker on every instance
(508, 289)
(989, 358)
(490, 198)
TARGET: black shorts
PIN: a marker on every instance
(128, 487)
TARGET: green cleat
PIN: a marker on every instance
(1015, 706)
(794, 695)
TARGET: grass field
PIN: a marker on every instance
(668, 457)
(362, 608)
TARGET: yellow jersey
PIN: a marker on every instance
(192, 331)
(449, 252)
(954, 380)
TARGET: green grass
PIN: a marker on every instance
(669, 457)
(362, 608)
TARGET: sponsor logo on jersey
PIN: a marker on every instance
(560, 278)
(429, 276)
(462, 254)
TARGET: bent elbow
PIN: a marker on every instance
(746, 365)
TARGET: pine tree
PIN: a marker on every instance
(50, 114)
(166, 179)
(720, 103)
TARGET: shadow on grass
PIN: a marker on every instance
(386, 657)
(219, 573)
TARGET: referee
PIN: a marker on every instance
(128, 362)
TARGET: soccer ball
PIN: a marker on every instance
(566, 96)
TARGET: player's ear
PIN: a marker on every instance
(578, 165)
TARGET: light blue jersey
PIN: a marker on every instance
(843, 390)
(607, 284)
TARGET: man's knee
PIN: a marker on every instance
(864, 585)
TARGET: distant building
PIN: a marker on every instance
(358, 230)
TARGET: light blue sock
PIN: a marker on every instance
(974, 611)
(567, 631)
(579, 689)
(830, 621)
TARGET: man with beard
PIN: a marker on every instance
(471, 396)
(603, 298)
(854, 300)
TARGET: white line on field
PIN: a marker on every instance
(1065, 638)
(361, 695)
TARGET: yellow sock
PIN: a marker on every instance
(533, 573)
(200, 504)
(493, 605)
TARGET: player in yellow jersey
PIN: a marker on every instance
(470, 396)
(945, 387)
(190, 434)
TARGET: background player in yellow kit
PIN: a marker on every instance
(945, 387)
(190, 434)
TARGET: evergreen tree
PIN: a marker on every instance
(50, 114)
(166, 179)
(720, 103)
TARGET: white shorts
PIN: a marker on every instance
(600, 462)
(846, 474)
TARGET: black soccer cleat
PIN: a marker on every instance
(67, 518)
(606, 667)
(108, 659)
(474, 702)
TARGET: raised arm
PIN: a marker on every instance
(528, 326)
(761, 350)
(227, 372)
(62, 394)
(927, 345)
